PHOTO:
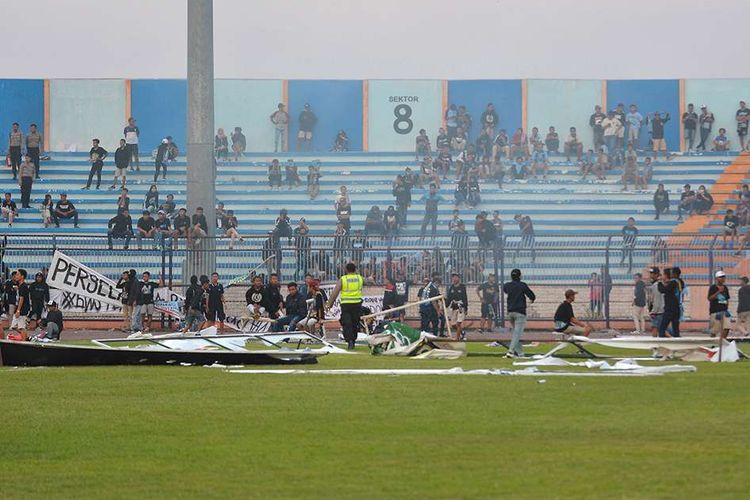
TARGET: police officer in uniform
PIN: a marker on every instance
(350, 287)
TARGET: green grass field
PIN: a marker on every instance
(197, 432)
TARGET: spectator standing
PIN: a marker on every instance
(655, 301)
(730, 228)
(307, 121)
(634, 120)
(145, 301)
(451, 121)
(47, 207)
(160, 162)
(460, 247)
(9, 209)
(422, 144)
(402, 193)
(34, 144)
(239, 143)
(132, 133)
(629, 238)
(39, 296)
(19, 317)
(611, 126)
(125, 285)
(630, 172)
(595, 122)
(280, 120)
(216, 303)
(489, 119)
(221, 146)
(658, 143)
(64, 209)
(743, 121)
(429, 312)
(97, 154)
(743, 307)
(432, 201)
(457, 303)
(526, 226)
(120, 226)
(516, 292)
(689, 125)
(672, 287)
(122, 160)
(489, 294)
(26, 180)
(196, 304)
(15, 146)
(596, 293)
(464, 120)
(718, 306)
(706, 122)
(639, 304)
(661, 201)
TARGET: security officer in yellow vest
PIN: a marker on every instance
(350, 287)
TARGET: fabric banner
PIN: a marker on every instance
(169, 303)
(66, 273)
(70, 302)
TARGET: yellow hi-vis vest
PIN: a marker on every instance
(351, 288)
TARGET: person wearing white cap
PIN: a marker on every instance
(161, 159)
(718, 306)
(706, 120)
(565, 320)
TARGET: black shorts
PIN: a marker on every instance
(216, 313)
(133, 150)
(488, 311)
(36, 310)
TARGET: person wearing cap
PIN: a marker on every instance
(145, 228)
(516, 292)
(162, 229)
(565, 320)
(690, 124)
(307, 121)
(97, 154)
(655, 301)
(672, 287)
(743, 307)
(718, 306)
(457, 303)
(160, 162)
(53, 323)
(280, 120)
(39, 295)
(706, 121)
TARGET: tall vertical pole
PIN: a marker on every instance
(201, 172)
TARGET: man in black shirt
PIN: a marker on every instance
(629, 237)
(181, 227)
(595, 122)
(517, 292)
(431, 202)
(272, 299)
(402, 293)
(23, 306)
(488, 293)
(402, 193)
(718, 306)
(96, 157)
(639, 304)
(145, 300)
(53, 323)
(122, 161)
(196, 303)
(687, 201)
(199, 226)
(39, 295)
(743, 121)
(254, 298)
(161, 160)
(295, 308)
(9, 209)
(743, 307)
(65, 210)
(145, 228)
(457, 304)
(671, 286)
(120, 226)
(690, 125)
(162, 230)
(528, 238)
(565, 320)
(216, 302)
(657, 135)
(429, 312)
(125, 285)
(460, 247)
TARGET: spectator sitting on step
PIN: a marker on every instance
(151, 202)
(661, 201)
(466, 161)
(646, 174)
(239, 143)
(519, 144)
(282, 226)
(169, 206)
(295, 308)
(120, 227)
(602, 164)
(221, 145)
(461, 192)
(220, 213)
(145, 228)
(9, 209)
(229, 224)
(721, 142)
(730, 228)
(519, 169)
(539, 161)
(458, 142)
(442, 140)
(587, 164)
(535, 138)
(181, 227)
(344, 213)
(53, 323)
(64, 209)
(341, 143)
(172, 151)
(374, 221)
(484, 148)
(703, 200)
(47, 207)
(428, 173)
(199, 226)
(552, 141)
(274, 174)
(500, 146)
(292, 175)
(443, 162)
(687, 202)
(162, 229)
(123, 201)
(573, 145)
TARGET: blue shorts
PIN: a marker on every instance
(656, 320)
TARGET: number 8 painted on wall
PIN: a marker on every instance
(402, 112)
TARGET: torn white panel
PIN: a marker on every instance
(528, 372)
(624, 365)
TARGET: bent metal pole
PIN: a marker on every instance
(201, 172)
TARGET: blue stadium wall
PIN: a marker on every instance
(378, 115)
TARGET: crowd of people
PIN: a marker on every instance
(26, 306)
